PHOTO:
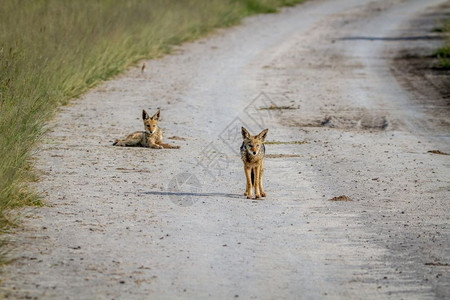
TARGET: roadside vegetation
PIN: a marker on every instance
(52, 51)
(444, 53)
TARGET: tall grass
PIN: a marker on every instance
(444, 53)
(54, 50)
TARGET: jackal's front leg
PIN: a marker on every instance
(248, 176)
(257, 171)
(261, 172)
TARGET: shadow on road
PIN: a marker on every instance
(391, 39)
(184, 194)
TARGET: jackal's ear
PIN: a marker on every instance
(262, 136)
(156, 116)
(245, 133)
(145, 115)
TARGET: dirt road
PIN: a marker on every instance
(134, 223)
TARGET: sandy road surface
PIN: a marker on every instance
(133, 223)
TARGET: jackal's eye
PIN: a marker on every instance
(251, 146)
(257, 146)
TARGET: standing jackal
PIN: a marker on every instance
(152, 136)
(252, 154)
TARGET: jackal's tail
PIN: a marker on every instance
(253, 177)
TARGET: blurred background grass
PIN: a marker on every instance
(444, 53)
(54, 50)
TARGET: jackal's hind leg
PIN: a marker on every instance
(169, 146)
(132, 140)
(125, 143)
(155, 146)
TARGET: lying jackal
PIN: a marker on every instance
(252, 154)
(152, 136)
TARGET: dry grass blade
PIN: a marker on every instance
(438, 152)
(341, 198)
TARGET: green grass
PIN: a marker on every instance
(444, 56)
(444, 53)
(52, 51)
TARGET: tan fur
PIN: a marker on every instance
(252, 154)
(152, 136)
